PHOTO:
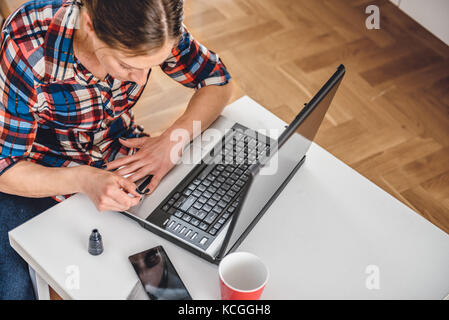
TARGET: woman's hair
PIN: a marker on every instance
(138, 26)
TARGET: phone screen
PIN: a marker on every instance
(158, 276)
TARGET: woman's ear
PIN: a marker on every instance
(86, 22)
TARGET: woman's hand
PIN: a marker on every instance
(108, 190)
(156, 156)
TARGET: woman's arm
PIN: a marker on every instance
(205, 106)
(29, 179)
(106, 189)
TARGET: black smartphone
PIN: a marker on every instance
(158, 276)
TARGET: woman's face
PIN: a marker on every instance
(120, 64)
(125, 67)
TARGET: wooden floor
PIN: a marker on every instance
(390, 118)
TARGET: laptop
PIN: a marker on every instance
(209, 206)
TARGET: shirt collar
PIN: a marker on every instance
(61, 63)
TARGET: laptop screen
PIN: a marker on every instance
(285, 158)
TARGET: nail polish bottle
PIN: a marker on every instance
(95, 243)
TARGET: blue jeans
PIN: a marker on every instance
(15, 282)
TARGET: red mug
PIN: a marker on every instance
(243, 276)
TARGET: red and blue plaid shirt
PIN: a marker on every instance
(53, 111)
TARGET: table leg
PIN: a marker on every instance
(41, 288)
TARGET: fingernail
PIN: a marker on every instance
(123, 138)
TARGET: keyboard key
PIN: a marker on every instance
(235, 188)
(217, 226)
(201, 214)
(196, 182)
(176, 195)
(221, 192)
(193, 211)
(186, 217)
(207, 207)
(178, 214)
(195, 222)
(179, 202)
(166, 207)
(211, 189)
(206, 183)
(212, 202)
(171, 211)
(222, 203)
(203, 226)
(203, 241)
(235, 176)
(207, 194)
(240, 183)
(213, 231)
(231, 209)
(171, 202)
(227, 198)
(217, 209)
(226, 186)
(222, 220)
(202, 199)
(197, 205)
(216, 197)
(211, 217)
(197, 193)
(201, 187)
(191, 187)
(225, 215)
(187, 192)
(187, 203)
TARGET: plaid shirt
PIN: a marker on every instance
(53, 111)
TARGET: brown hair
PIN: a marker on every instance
(138, 26)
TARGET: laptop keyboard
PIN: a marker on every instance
(203, 206)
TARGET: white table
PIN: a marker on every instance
(329, 233)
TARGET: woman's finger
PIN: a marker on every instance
(122, 161)
(131, 167)
(129, 187)
(153, 184)
(139, 174)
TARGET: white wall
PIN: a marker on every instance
(431, 14)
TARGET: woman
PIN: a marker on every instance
(70, 73)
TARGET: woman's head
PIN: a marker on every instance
(132, 36)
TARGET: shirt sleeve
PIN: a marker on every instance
(193, 65)
(17, 124)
